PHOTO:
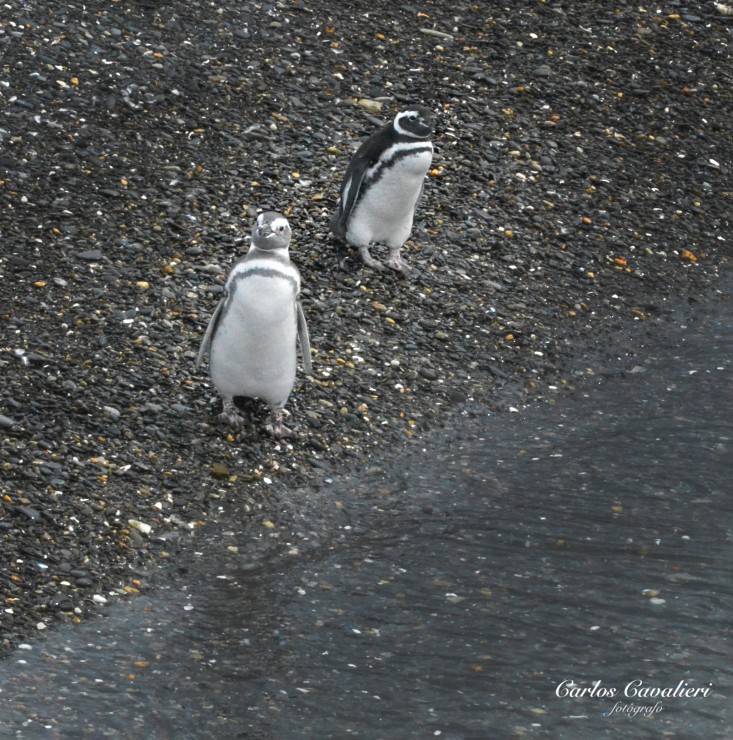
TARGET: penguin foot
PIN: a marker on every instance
(368, 260)
(395, 261)
(236, 421)
(275, 426)
(230, 416)
(278, 431)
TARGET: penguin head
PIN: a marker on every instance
(271, 231)
(416, 122)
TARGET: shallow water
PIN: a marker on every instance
(586, 539)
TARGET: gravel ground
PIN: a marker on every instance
(581, 180)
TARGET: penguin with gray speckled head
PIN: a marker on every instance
(382, 185)
(251, 338)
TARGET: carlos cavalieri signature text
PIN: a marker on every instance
(633, 690)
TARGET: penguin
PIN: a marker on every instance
(382, 185)
(251, 338)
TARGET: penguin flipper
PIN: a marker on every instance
(304, 339)
(349, 196)
(206, 342)
(366, 155)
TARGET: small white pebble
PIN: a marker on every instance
(140, 526)
(40, 626)
(98, 599)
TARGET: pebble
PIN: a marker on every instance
(29, 512)
(371, 106)
(218, 470)
(112, 412)
(91, 255)
(140, 526)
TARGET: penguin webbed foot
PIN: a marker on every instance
(235, 421)
(368, 260)
(275, 426)
(230, 416)
(395, 261)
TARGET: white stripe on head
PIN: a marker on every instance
(396, 122)
(279, 223)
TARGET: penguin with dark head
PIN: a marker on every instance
(382, 185)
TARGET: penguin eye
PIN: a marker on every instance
(412, 116)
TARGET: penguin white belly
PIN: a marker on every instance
(385, 212)
(253, 352)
